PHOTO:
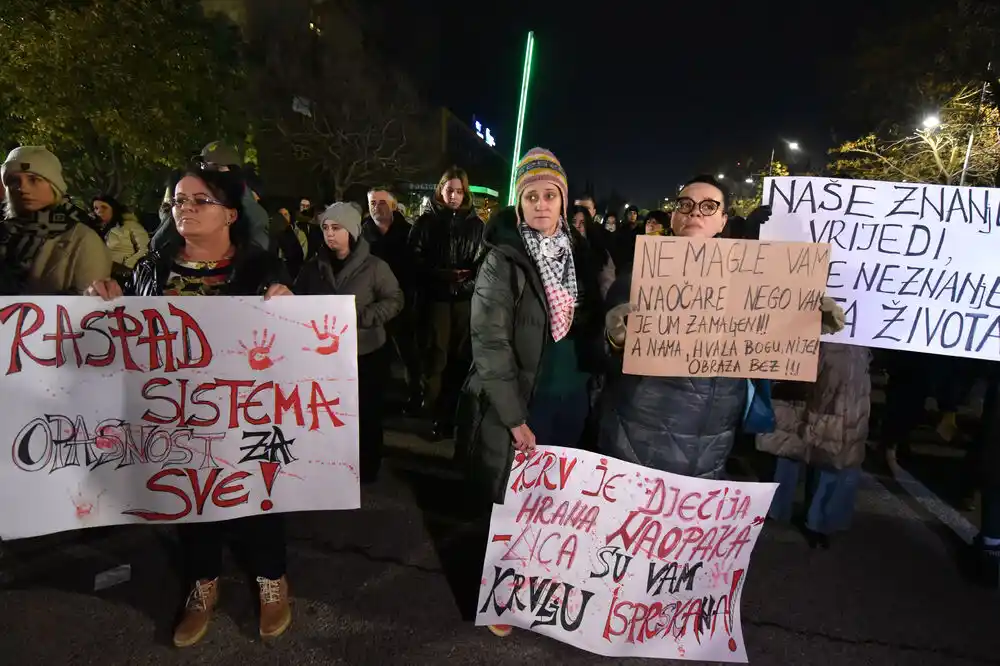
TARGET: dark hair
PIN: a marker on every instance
(611, 213)
(382, 188)
(659, 217)
(587, 217)
(117, 209)
(714, 182)
(587, 197)
(228, 188)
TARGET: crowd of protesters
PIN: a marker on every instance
(509, 333)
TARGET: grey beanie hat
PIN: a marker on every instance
(344, 214)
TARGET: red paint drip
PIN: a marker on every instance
(269, 470)
(731, 602)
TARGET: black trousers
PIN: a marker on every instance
(256, 541)
(373, 376)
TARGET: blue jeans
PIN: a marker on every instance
(830, 495)
(558, 420)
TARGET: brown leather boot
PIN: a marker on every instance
(197, 612)
(275, 609)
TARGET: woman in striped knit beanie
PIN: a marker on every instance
(537, 324)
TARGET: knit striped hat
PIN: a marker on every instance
(540, 165)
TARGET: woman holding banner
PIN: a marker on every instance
(207, 252)
(681, 425)
(536, 332)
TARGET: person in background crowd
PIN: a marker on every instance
(445, 247)
(611, 222)
(536, 332)
(218, 156)
(208, 252)
(681, 425)
(587, 201)
(623, 243)
(126, 239)
(345, 266)
(289, 240)
(47, 245)
(657, 223)
(387, 233)
(985, 460)
(596, 241)
(825, 426)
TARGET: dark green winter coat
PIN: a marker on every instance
(510, 332)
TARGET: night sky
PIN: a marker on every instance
(637, 98)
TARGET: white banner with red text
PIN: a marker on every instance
(621, 560)
(170, 410)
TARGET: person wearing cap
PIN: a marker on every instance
(345, 266)
(222, 157)
(47, 244)
(536, 330)
(207, 252)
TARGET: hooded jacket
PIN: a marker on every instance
(377, 296)
(681, 425)
(510, 333)
(442, 241)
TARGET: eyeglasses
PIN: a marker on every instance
(706, 207)
(197, 202)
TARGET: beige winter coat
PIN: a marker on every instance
(69, 263)
(824, 424)
(129, 242)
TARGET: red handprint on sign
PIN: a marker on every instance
(328, 333)
(259, 354)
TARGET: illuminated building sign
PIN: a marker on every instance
(485, 134)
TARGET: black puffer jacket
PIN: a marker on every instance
(392, 247)
(681, 425)
(510, 332)
(442, 241)
(254, 270)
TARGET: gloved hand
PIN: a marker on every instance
(616, 322)
(833, 316)
(760, 215)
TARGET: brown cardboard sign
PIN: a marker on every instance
(726, 308)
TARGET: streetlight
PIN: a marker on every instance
(930, 122)
(748, 181)
(792, 146)
(721, 176)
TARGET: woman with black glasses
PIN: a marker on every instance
(208, 252)
(681, 425)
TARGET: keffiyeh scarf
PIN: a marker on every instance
(553, 255)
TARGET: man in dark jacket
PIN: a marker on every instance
(387, 233)
(445, 245)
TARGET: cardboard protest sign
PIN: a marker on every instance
(153, 410)
(913, 265)
(622, 560)
(725, 308)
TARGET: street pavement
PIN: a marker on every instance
(388, 584)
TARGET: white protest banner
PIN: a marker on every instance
(912, 264)
(175, 409)
(622, 560)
